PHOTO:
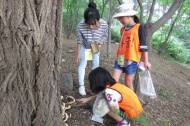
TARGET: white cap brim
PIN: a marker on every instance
(123, 14)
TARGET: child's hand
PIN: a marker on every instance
(83, 100)
(147, 65)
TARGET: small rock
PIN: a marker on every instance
(63, 60)
(66, 82)
(71, 51)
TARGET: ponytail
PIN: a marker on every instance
(91, 14)
(136, 19)
(92, 5)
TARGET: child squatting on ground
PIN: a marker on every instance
(133, 47)
(112, 98)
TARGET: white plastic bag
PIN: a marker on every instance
(146, 84)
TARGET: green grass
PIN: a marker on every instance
(164, 123)
(165, 94)
(142, 120)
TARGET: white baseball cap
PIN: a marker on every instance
(125, 10)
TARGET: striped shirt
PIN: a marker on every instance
(85, 35)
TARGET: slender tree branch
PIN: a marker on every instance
(141, 10)
(119, 2)
(104, 3)
(165, 43)
(176, 4)
(109, 29)
(151, 11)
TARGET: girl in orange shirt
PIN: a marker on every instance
(133, 47)
(112, 98)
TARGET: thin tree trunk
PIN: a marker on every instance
(152, 27)
(141, 10)
(119, 2)
(151, 11)
(109, 29)
(171, 11)
(165, 43)
(30, 47)
(104, 3)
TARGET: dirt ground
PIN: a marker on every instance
(171, 80)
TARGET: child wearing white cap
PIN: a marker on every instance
(133, 47)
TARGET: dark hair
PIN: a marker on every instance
(91, 14)
(99, 78)
(136, 19)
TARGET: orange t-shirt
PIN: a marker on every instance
(130, 45)
(130, 102)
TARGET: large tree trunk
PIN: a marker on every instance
(30, 53)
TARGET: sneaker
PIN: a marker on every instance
(82, 90)
(124, 123)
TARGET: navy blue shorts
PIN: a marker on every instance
(128, 69)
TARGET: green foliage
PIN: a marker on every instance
(72, 14)
(176, 47)
(157, 40)
(115, 32)
(165, 123)
(165, 2)
(115, 36)
(142, 120)
(178, 51)
(165, 94)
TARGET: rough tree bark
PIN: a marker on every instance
(30, 55)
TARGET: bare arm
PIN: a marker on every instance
(78, 49)
(146, 60)
(145, 57)
(87, 100)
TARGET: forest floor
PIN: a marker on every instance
(171, 80)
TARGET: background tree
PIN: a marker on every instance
(30, 55)
(152, 27)
(71, 16)
(164, 45)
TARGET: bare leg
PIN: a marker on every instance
(129, 81)
(115, 116)
(116, 75)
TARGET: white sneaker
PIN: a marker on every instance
(124, 123)
(82, 90)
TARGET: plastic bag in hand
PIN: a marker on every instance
(146, 84)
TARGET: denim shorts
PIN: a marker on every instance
(129, 69)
